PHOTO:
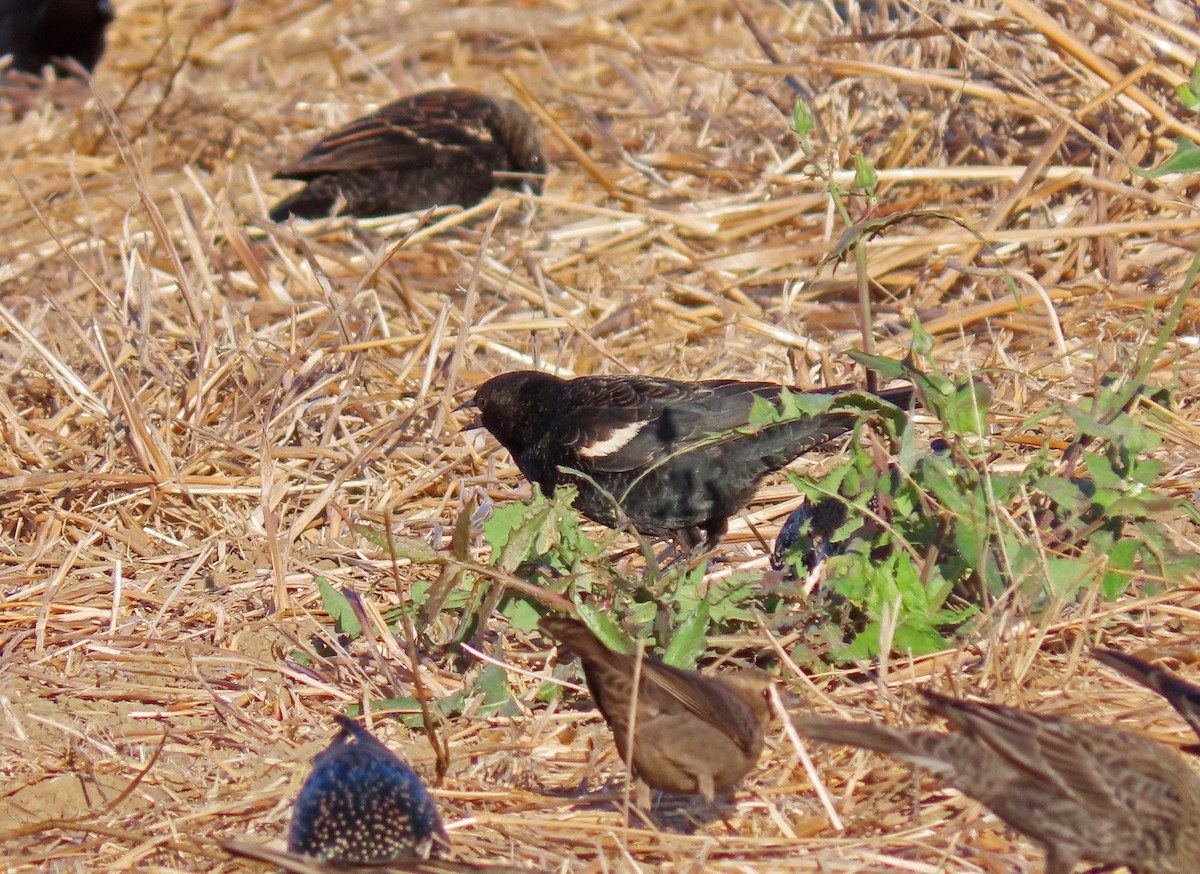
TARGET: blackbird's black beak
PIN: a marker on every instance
(475, 421)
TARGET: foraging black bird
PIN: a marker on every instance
(434, 148)
(677, 458)
(1081, 791)
(1182, 695)
(692, 734)
(362, 805)
(40, 32)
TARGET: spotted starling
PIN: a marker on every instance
(40, 32)
(692, 734)
(1182, 695)
(1081, 791)
(362, 805)
(677, 458)
(428, 149)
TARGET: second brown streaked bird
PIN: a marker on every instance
(362, 805)
(1083, 792)
(692, 734)
(1183, 696)
(436, 148)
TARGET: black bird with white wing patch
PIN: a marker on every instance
(677, 458)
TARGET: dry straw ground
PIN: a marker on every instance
(197, 406)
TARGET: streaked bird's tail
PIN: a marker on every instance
(1183, 696)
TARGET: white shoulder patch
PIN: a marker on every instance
(614, 442)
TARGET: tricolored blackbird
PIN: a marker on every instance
(675, 459)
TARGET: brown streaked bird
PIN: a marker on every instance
(442, 147)
(677, 458)
(1182, 695)
(1081, 791)
(362, 805)
(692, 734)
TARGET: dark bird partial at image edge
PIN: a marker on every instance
(1182, 695)
(41, 33)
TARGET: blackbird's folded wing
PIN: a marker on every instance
(627, 424)
(414, 132)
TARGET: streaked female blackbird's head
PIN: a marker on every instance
(515, 407)
(520, 134)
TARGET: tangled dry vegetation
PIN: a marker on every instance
(198, 406)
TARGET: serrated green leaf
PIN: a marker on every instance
(689, 640)
(337, 606)
(1185, 160)
(522, 614)
(497, 696)
(415, 550)
(965, 412)
(1067, 575)
(519, 540)
(919, 638)
(763, 412)
(1065, 493)
(886, 367)
(1103, 476)
(1118, 572)
(605, 627)
(371, 534)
